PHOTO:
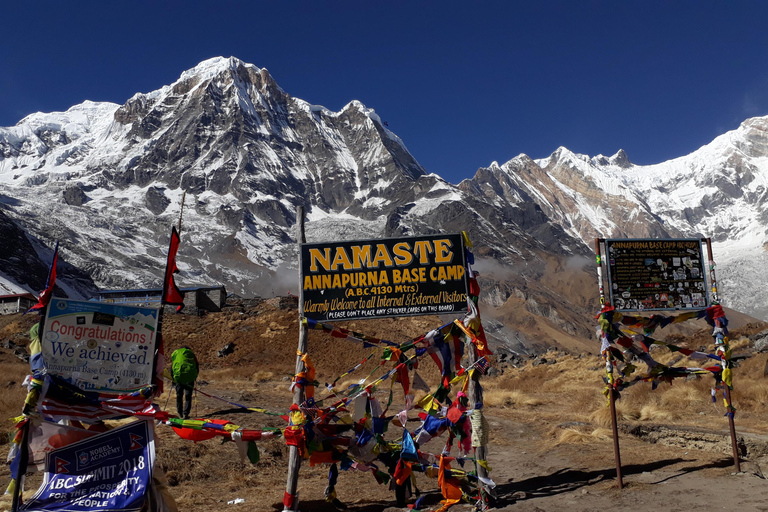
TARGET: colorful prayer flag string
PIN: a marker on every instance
(618, 347)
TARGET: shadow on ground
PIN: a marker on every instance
(568, 480)
(429, 499)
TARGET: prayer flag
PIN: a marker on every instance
(62, 401)
(483, 365)
(45, 437)
(446, 351)
(35, 349)
(419, 383)
(409, 449)
(171, 293)
(45, 295)
(449, 485)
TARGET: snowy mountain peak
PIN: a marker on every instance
(620, 159)
(245, 152)
(107, 180)
(755, 137)
(358, 107)
(209, 68)
(563, 155)
(209, 78)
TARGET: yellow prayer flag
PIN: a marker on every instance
(459, 378)
(467, 241)
(728, 377)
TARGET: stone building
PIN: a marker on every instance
(16, 303)
(198, 298)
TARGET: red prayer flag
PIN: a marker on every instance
(402, 376)
(45, 295)
(288, 500)
(171, 292)
(192, 434)
(402, 472)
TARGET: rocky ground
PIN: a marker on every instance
(551, 446)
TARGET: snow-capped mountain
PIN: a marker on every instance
(720, 191)
(107, 180)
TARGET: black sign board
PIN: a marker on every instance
(656, 274)
(423, 275)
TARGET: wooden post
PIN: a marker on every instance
(23, 462)
(615, 428)
(611, 391)
(731, 424)
(599, 258)
(711, 265)
(475, 393)
(181, 211)
(294, 458)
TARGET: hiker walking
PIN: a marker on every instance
(184, 370)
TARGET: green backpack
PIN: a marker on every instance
(184, 366)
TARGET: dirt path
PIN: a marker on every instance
(530, 473)
(583, 478)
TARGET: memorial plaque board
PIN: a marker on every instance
(656, 274)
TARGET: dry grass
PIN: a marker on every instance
(11, 328)
(11, 397)
(564, 399)
(571, 390)
(509, 398)
(568, 384)
(654, 413)
(576, 436)
(262, 376)
(239, 373)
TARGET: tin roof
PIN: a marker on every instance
(26, 295)
(158, 291)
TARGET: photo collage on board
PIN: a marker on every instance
(656, 274)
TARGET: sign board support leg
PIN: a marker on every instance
(611, 391)
(474, 390)
(294, 456)
(615, 428)
(731, 424)
(598, 257)
(22, 469)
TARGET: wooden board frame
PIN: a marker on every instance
(294, 459)
(601, 253)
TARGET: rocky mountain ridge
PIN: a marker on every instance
(718, 192)
(107, 180)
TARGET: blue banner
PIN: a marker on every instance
(107, 472)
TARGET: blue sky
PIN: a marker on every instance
(462, 83)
